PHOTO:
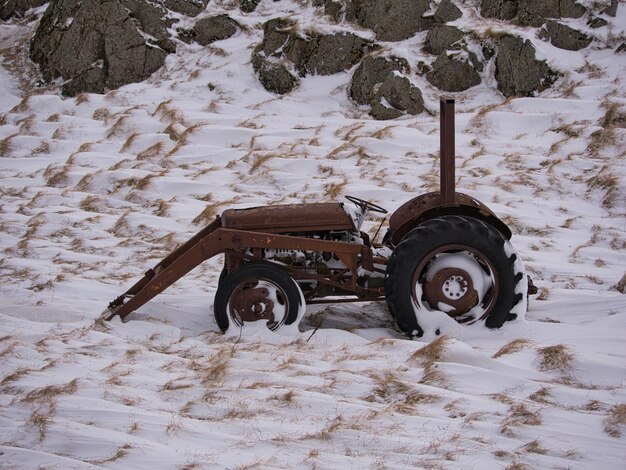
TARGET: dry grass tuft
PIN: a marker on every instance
(334, 190)
(534, 447)
(615, 419)
(541, 395)
(212, 371)
(14, 376)
(287, 397)
(49, 392)
(513, 347)
(210, 211)
(152, 151)
(432, 352)
(519, 415)
(120, 453)
(41, 418)
(605, 180)
(558, 357)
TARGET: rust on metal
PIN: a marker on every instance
(428, 206)
(292, 218)
(252, 303)
(453, 287)
(446, 141)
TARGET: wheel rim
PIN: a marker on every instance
(258, 300)
(458, 280)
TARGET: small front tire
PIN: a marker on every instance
(257, 292)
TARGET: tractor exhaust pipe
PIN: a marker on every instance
(446, 142)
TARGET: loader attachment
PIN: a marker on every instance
(174, 266)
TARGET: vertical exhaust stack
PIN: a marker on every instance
(446, 142)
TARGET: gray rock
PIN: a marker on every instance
(314, 54)
(248, 6)
(596, 23)
(391, 20)
(395, 97)
(440, 37)
(518, 72)
(96, 45)
(621, 48)
(501, 9)
(274, 76)
(611, 10)
(186, 7)
(453, 72)
(531, 12)
(17, 8)
(334, 53)
(371, 72)
(378, 82)
(447, 11)
(564, 37)
(214, 28)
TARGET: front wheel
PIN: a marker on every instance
(257, 292)
(453, 265)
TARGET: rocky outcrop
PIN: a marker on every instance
(447, 11)
(214, 28)
(17, 8)
(518, 72)
(440, 37)
(564, 37)
(380, 83)
(248, 6)
(391, 20)
(186, 7)
(454, 71)
(531, 12)
(97, 45)
(284, 48)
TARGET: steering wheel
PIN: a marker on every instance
(366, 205)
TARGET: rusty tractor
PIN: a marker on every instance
(444, 253)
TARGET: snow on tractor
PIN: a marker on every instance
(444, 253)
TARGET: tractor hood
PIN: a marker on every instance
(319, 217)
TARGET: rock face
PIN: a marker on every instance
(379, 82)
(518, 72)
(391, 20)
(440, 37)
(17, 8)
(214, 28)
(531, 12)
(453, 72)
(564, 37)
(283, 48)
(447, 11)
(248, 6)
(98, 45)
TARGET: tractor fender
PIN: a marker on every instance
(428, 206)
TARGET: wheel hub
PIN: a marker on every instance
(453, 287)
(253, 304)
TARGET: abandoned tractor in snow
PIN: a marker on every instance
(444, 253)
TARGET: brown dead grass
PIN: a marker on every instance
(50, 392)
(558, 357)
(519, 415)
(615, 420)
(431, 353)
(513, 347)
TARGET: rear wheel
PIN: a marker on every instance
(455, 265)
(257, 292)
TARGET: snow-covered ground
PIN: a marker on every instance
(98, 188)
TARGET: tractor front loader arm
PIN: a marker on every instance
(174, 266)
(213, 240)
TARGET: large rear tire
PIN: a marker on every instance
(257, 292)
(453, 264)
